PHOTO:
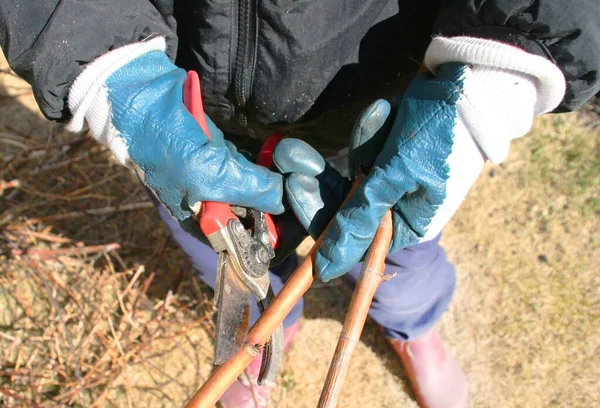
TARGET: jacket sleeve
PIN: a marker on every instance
(567, 32)
(49, 42)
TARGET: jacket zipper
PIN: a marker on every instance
(245, 55)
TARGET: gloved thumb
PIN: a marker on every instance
(369, 135)
(314, 189)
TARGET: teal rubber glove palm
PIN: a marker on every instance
(424, 159)
(132, 100)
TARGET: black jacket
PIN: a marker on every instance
(269, 63)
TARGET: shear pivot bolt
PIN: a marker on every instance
(262, 256)
(264, 237)
(239, 228)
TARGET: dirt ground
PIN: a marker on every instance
(99, 308)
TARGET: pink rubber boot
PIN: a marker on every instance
(245, 392)
(435, 377)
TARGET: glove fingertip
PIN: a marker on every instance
(304, 197)
(277, 209)
(378, 110)
(216, 135)
(340, 250)
(326, 270)
(369, 122)
(369, 135)
(264, 190)
(329, 266)
(274, 208)
(276, 202)
(296, 156)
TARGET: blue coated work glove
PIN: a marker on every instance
(131, 99)
(315, 189)
(420, 163)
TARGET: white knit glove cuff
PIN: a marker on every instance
(88, 96)
(504, 89)
(550, 82)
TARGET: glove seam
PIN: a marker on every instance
(439, 109)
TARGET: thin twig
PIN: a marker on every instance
(5, 185)
(45, 236)
(98, 211)
(49, 276)
(67, 333)
(141, 269)
(55, 253)
(20, 373)
(10, 141)
(9, 337)
(36, 152)
(18, 398)
(94, 185)
(114, 334)
(56, 197)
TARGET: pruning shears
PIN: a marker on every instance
(245, 240)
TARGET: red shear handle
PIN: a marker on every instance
(192, 98)
(265, 159)
(213, 215)
(265, 156)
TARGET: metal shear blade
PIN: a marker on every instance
(233, 315)
(243, 270)
(243, 259)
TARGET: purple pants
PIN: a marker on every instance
(405, 306)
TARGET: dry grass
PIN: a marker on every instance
(526, 244)
(99, 308)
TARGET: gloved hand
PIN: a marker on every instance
(445, 127)
(131, 99)
(314, 189)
